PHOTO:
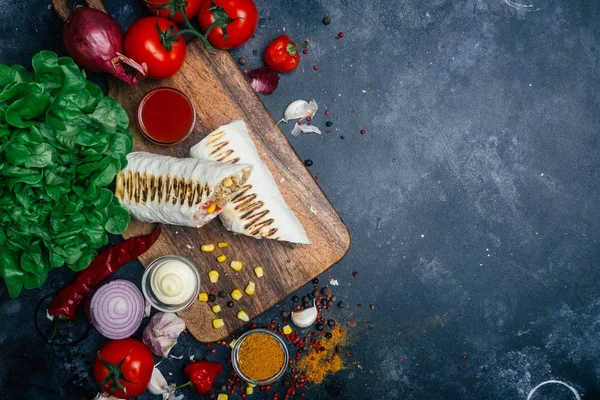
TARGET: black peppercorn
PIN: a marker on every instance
(212, 297)
(329, 124)
(319, 327)
(230, 304)
(222, 294)
(325, 291)
(330, 304)
(311, 296)
(242, 61)
(295, 299)
(285, 314)
(306, 304)
(315, 281)
(327, 20)
(309, 163)
(341, 304)
(323, 302)
(315, 292)
(331, 322)
(333, 298)
(328, 335)
(305, 299)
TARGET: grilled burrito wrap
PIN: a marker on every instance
(188, 191)
(258, 209)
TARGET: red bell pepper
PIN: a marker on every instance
(282, 54)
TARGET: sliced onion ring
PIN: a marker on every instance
(116, 310)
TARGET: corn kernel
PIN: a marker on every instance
(243, 316)
(227, 182)
(218, 323)
(250, 288)
(222, 258)
(249, 390)
(222, 244)
(216, 308)
(236, 265)
(287, 329)
(258, 271)
(203, 297)
(211, 209)
(252, 385)
(207, 248)
(232, 343)
(222, 396)
(213, 275)
(236, 294)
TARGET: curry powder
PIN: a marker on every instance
(260, 357)
(317, 364)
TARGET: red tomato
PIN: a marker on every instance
(133, 375)
(190, 10)
(144, 43)
(239, 17)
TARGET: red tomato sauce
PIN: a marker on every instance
(166, 116)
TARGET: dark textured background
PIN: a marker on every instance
(472, 199)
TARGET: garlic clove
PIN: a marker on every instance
(300, 109)
(161, 333)
(306, 317)
(158, 384)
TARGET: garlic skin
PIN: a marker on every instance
(306, 317)
(300, 109)
(304, 128)
(161, 333)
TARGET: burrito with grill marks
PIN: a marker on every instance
(258, 209)
(169, 190)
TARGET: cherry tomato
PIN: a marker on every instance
(134, 373)
(236, 21)
(282, 54)
(144, 43)
(169, 5)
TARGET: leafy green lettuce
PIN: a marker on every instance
(61, 144)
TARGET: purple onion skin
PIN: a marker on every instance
(94, 40)
(263, 80)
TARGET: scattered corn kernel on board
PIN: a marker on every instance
(221, 94)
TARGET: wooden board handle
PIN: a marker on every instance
(63, 10)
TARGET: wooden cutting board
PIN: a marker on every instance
(221, 94)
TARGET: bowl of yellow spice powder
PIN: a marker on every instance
(259, 357)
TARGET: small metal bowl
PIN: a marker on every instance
(149, 293)
(236, 350)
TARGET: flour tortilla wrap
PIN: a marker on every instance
(258, 210)
(168, 190)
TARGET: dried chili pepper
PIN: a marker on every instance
(64, 306)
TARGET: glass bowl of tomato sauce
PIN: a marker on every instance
(166, 116)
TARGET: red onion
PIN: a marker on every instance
(116, 309)
(263, 80)
(95, 42)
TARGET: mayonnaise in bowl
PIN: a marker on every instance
(171, 283)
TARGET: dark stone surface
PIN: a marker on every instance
(472, 198)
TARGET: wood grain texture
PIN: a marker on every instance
(221, 94)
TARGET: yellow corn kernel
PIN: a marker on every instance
(232, 343)
(222, 244)
(243, 316)
(218, 323)
(222, 396)
(227, 182)
(249, 390)
(236, 265)
(213, 275)
(207, 248)
(216, 308)
(211, 209)
(203, 297)
(236, 294)
(222, 258)
(287, 329)
(258, 271)
(250, 288)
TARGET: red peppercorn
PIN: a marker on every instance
(362, 132)
(327, 112)
(253, 325)
(246, 70)
(304, 51)
(341, 34)
(316, 68)
(213, 351)
(243, 395)
(342, 137)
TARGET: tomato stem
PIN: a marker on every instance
(190, 29)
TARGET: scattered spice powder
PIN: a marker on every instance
(323, 360)
(260, 357)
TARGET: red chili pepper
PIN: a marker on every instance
(282, 54)
(202, 375)
(67, 300)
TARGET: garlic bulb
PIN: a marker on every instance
(300, 109)
(161, 333)
(306, 317)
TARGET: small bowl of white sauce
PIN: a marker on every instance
(171, 283)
